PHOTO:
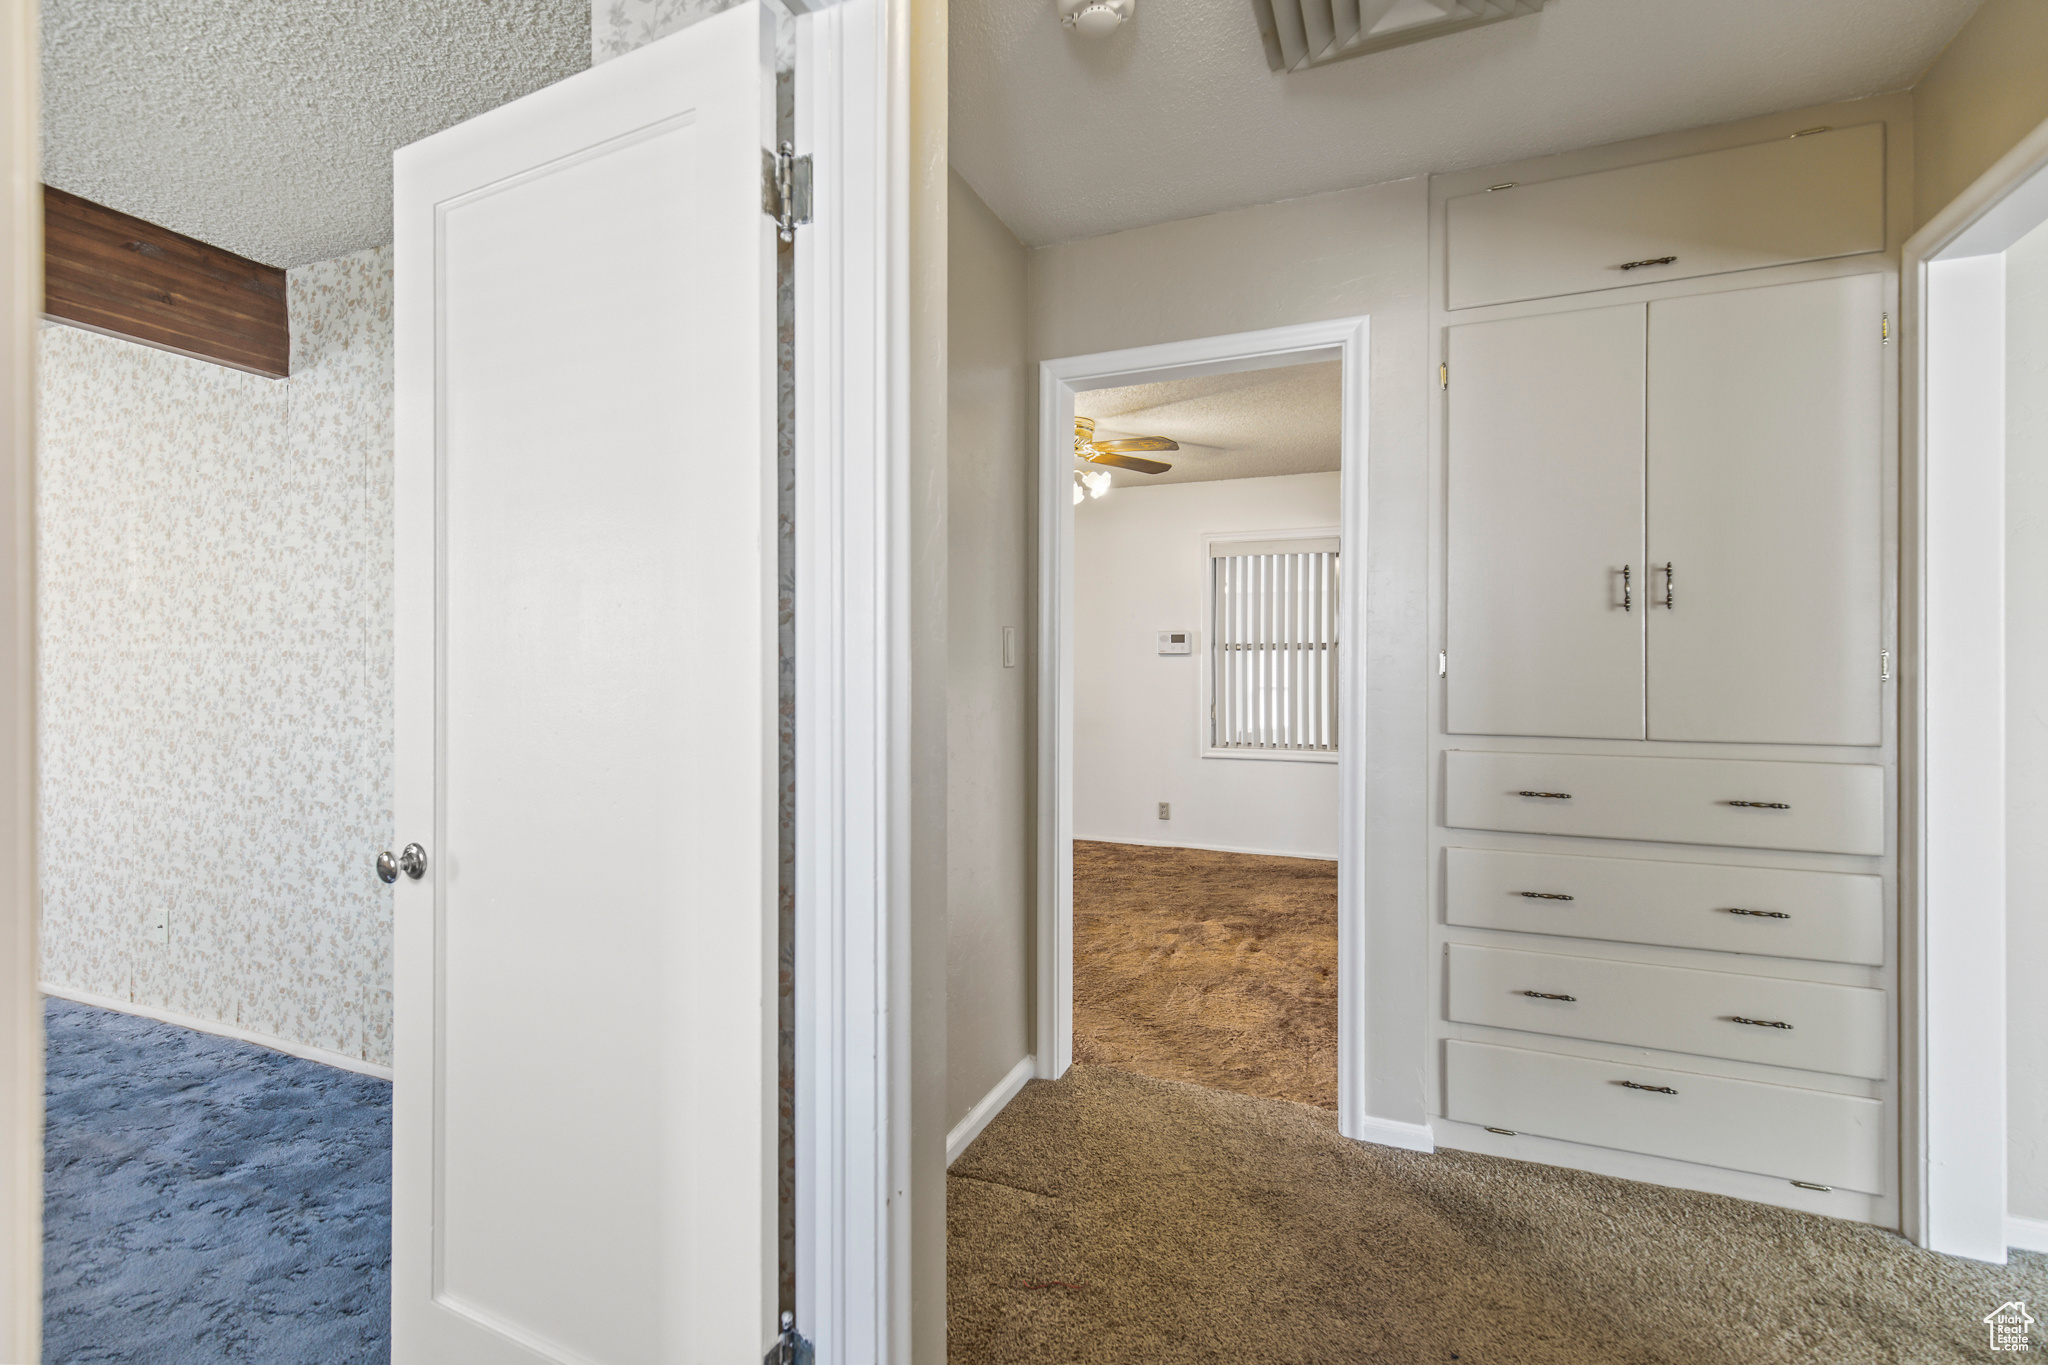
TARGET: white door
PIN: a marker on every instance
(585, 1142)
(1544, 622)
(1766, 530)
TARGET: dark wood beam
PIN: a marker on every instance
(112, 273)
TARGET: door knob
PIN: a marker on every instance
(412, 861)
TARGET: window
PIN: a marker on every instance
(1273, 645)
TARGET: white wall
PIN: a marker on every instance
(2026, 644)
(214, 557)
(1339, 255)
(992, 765)
(1139, 568)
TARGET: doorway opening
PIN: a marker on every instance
(1208, 580)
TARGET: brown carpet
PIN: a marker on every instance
(1215, 968)
(1114, 1218)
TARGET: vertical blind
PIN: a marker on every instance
(1273, 645)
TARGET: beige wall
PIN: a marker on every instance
(991, 766)
(1361, 251)
(1985, 92)
(2026, 665)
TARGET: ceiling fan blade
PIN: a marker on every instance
(1130, 462)
(1136, 443)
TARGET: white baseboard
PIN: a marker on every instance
(1210, 848)
(214, 1026)
(987, 1107)
(2027, 1234)
(1410, 1137)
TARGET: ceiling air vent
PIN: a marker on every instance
(1304, 33)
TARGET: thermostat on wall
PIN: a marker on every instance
(1176, 642)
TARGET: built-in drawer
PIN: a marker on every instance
(1779, 1130)
(1831, 916)
(1812, 807)
(1812, 1025)
(1791, 199)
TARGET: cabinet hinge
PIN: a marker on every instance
(1443, 376)
(791, 1348)
(1884, 328)
(1443, 663)
(786, 189)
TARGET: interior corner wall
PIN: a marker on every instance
(214, 560)
(2026, 664)
(1982, 95)
(991, 763)
(1138, 717)
(1362, 251)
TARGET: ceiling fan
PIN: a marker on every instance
(1118, 454)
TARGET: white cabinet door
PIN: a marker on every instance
(1546, 513)
(584, 1154)
(1765, 503)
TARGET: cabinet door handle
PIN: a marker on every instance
(1546, 995)
(1653, 1089)
(1762, 805)
(1760, 914)
(1759, 1023)
(1668, 575)
(1627, 593)
(1548, 796)
(1543, 895)
(1654, 260)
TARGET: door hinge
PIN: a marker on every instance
(786, 189)
(791, 1348)
(1884, 328)
(1443, 376)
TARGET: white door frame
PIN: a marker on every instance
(1345, 340)
(1952, 715)
(852, 453)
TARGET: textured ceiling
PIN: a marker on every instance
(266, 126)
(1175, 114)
(1230, 426)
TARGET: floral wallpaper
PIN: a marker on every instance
(215, 617)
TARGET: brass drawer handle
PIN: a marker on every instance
(1760, 1023)
(1546, 995)
(1759, 914)
(1653, 1089)
(1543, 895)
(1762, 805)
(1548, 796)
(1654, 260)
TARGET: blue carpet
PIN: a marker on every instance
(206, 1200)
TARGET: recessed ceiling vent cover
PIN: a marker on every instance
(1304, 33)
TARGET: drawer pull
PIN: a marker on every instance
(1760, 1023)
(1762, 805)
(1653, 1089)
(1546, 995)
(1654, 260)
(1504, 1132)
(1548, 796)
(1809, 1185)
(1759, 914)
(1543, 895)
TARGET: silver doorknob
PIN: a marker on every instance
(412, 861)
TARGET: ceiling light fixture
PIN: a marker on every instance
(1094, 18)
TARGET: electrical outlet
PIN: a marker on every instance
(1166, 810)
(160, 925)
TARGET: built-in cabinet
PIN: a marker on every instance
(1665, 519)
(1663, 816)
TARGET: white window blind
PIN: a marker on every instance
(1273, 645)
